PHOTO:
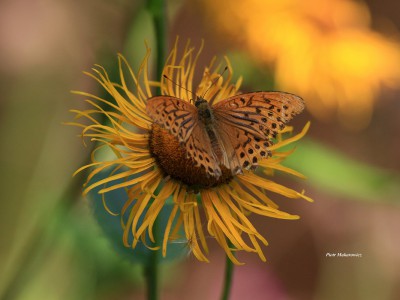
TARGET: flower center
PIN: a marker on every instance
(172, 159)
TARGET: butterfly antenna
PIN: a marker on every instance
(215, 81)
(166, 77)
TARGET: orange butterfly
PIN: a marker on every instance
(234, 132)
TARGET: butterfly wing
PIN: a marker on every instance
(181, 119)
(198, 147)
(247, 123)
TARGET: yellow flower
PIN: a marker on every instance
(323, 50)
(156, 167)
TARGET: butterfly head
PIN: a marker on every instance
(199, 101)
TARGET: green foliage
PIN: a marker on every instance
(335, 173)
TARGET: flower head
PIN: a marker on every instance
(155, 167)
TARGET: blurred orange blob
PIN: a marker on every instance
(323, 50)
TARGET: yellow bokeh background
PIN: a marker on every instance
(324, 50)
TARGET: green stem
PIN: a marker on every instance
(228, 277)
(151, 274)
(151, 280)
(157, 10)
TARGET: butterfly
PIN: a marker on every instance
(235, 132)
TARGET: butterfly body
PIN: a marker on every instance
(235, 132)
(207, 118)
(204, 112)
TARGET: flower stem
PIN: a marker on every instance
(151, 274)
(157, 10)
(228, 277)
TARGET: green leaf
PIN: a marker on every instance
(111, 225)
(332, 171)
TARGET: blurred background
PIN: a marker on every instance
(341, 56)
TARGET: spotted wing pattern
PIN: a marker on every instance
(198, 147)
(180, 118)
(247, 123)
